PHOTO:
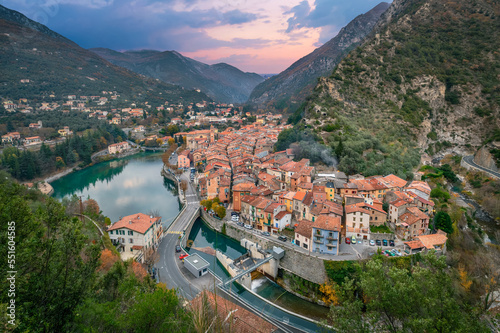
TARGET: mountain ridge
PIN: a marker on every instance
(426, 79)
(298, 80)
(221, 81)
(39, 62)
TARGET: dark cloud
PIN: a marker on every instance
(300, 17)
(237, 17)
(136, 24)
(328, 15)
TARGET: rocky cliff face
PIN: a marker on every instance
(429, 72)
(484, 158)
(297, 81)
(222, 82)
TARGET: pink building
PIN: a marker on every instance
(183, 160)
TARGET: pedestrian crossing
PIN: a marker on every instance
(175, 232)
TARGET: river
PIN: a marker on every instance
(124, 187)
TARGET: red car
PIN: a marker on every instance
(348, 241)
(182, 256)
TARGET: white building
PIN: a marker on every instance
(281, 220)
(357, 221)
(134, 233)
(118, 147)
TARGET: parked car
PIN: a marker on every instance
(348, 240)
(265, 233)
(177, 248)
(235, 214)
(248, 226)
(353, 239)
(235, 218)
(378, 242)
(241, 224)
(372, 242)
(282, 238)
(391, 242)
(384, 242)
(182, 256)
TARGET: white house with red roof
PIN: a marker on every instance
(134, 233)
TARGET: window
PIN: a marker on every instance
(354, 219)
(130, 240)
(130, 233)
(111, 232)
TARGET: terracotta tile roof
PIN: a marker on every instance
(327, 223)
(280, 215)
(272, 207)
(429, 241)
(299, 195)
(289, 195)
(417, 212)
(137, 222)
(398, 203)
(414, 245)
(393, 181)
(369, 207)
(243, 187)
(355, 208)
(304, 228)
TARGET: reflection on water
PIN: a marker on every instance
(203, 236)
(124, 187)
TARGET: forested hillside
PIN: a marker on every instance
(49, 64)
(426, 79)
(26, 164)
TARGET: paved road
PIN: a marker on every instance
(470, 161)
(170, 273)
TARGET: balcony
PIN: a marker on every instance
(332, 238)
(319, 235)
(318, 241)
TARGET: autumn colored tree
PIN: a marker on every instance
(184, 185)
(464, 279)
(108, 259)
(91, 207)
(171, 141)
(59, 162)
(139, 271)
(329, 293)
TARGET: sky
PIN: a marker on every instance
(261, 36)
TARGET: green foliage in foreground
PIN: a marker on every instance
(60, 284)
(383, 297)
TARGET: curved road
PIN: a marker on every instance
(470, 161)
(170, 273)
